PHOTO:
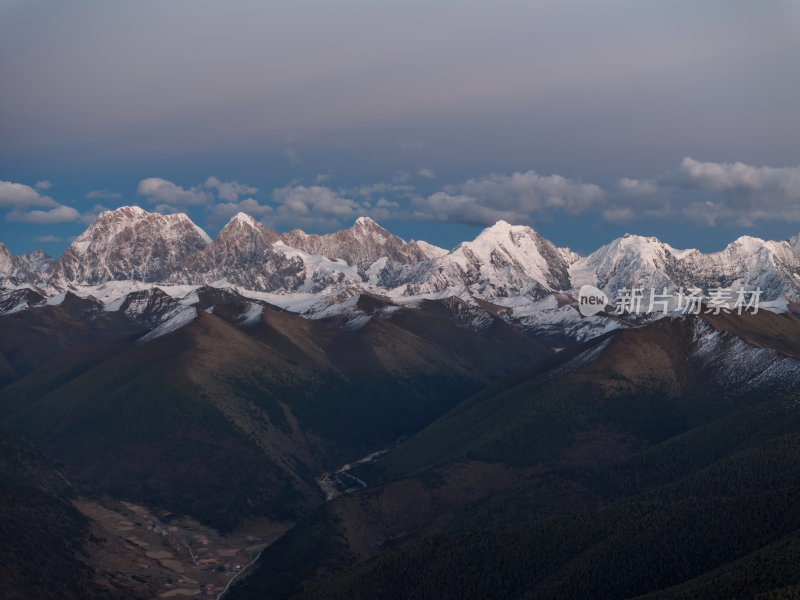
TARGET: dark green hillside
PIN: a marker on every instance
(617, 469)
(32, 338)
(619, 552)
(175, 422)
(638, 387)
(226, 423)
(712, 511)
(44, 536)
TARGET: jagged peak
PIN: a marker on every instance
(500, 231)
(649, 239)
(430, 250)
(748, 239)
(500, 225)
(125, 211)
(373, 227)
(121, 217)
(243, 219)
(647, 248)
(366, 221)
(37, 252)
(633, 242)
(137, 212)
(242, 225)
(748, 244)
(503, 226)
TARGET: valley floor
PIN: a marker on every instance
(153, 554)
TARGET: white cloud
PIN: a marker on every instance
(104, 193)
(167, 193)
(43, 185)
(312, 206)
(461, 208)
(784, 181)
(49, 239)
(166, 209)
(60, 214)
(637, 187)
(530, 192)
(513, 197)
(21, 196)
(229, 190)
(427, 173)
(619, 215)
(304, 200)
(382, 188)
(709, 193)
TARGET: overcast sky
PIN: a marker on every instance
(583, 119)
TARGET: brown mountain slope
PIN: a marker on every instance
(599, 423)
(226, 421)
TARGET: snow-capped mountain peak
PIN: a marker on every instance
(129, 243)
(747, 262)
(508, 265)
(429, 250)
(6, 261)
(243, 254)
(362, 244)
(242, 219)
(628, 261)
(366, 222)
(24, 268)
(503, 261)
(366, 226)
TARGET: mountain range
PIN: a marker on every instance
(407, 418)
(512, 267)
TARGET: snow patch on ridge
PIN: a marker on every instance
(183, 318)
(252, 315)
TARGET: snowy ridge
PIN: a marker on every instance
(27, 268)
(503, 261)
(739, 366)
(128, 244)
(319, 272)
(747, 262)
(530, 282)
(181, 319)
(18, 299)
(627, 261)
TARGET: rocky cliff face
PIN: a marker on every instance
(748, 262)
(504, 263)
(242, 254)
(26, 268)
(129, 244)
(361, 245)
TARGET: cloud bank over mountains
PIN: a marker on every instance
(697, 192)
